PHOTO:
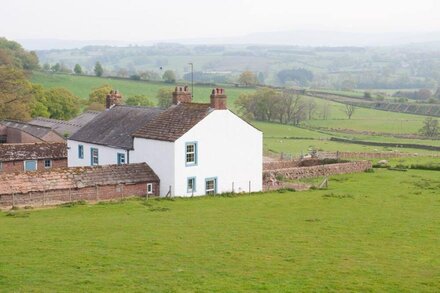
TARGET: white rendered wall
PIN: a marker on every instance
(106, 155)
(228, 149)
(159, 155)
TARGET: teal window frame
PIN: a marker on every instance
(215, 184)
(80, 151)
(196, 149)
(194, 186)
(121, 156)
(91, 156)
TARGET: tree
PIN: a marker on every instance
(349, 110)
(300, 76)
(39, 102)
(248, 78)
(164, 98)
(20, 58)
(98, 69)
(56, 67)
(77, 69)
(99, 94)
(261, 78)
(311, 107)
(325, 111)
(139, 100)
(169, 76)
(62, 104)
(15, 94)
(430, 127)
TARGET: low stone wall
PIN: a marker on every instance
(267, 166)
(96, 193)
(364, 155)
(270, 176)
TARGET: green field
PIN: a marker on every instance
(369, 232)
(275, 134)
(83, 85)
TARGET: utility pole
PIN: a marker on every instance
(192, 79)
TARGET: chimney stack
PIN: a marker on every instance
(182, 94)
(218, 99)
(113, 98)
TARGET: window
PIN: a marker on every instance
(1, 166)
(191, 153)
(191, 185)
(149, 188)
(47, 164)
(3, 138)
(30, 165)
(81, 151)
(94, 157)
(121, 158)
(211, 186)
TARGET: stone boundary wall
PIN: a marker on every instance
(364, 155)
(92, 194)
(316, 171)
(267, 166)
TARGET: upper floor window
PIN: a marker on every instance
(81, 151)
(94, 157)
(30, 165)
(121, 158)
(191, 153)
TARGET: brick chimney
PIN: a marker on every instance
(182, 94)
(113, 98)
(218, 99)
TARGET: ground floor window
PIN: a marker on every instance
(47, 164)
(121, 158)
(30, 165)
(94, 156)
(150, 188)
(1, 166)
(211, 186)
(191, 185)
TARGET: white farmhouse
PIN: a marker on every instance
(194, 148)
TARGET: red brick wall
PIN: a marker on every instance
(18, 166)
(98, 193)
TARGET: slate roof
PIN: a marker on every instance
(174, 122)
(78, 177)
(64, 128)
(115, 126)
(34, 130)
(32, 151)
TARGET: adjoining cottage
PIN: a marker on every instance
(73, 184)
(42, 129)
(32, 157)
(194, 148)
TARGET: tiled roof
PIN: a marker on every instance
(174, 122)
(84, 118)
(32, 151)
(115, 126)
(34, 130)
(79, 177)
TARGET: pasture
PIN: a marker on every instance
(367, 232)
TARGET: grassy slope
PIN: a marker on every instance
(83, 85)
(363, 119)
(352, 237)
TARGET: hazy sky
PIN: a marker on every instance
(137, 20)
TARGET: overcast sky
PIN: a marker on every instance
(143, 20)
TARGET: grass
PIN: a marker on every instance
(369, 232)
(83, 85)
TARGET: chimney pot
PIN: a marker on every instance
(218, 99)
(113, 99)
(182, 95)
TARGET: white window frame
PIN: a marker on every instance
(92, 157)
(149, 188)
(50, 164)
(24, 165)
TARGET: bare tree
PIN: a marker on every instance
(325, 111)
(311, 107)
(349, 110)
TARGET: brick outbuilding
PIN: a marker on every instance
(21, 157)
(81, 183)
